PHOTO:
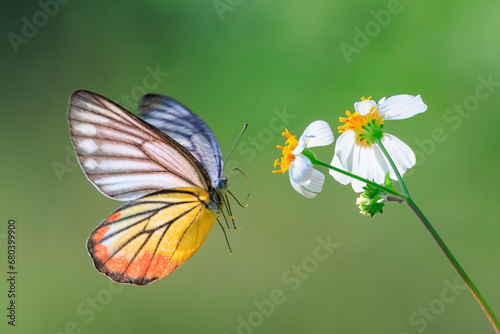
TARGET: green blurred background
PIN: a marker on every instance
(248, 61)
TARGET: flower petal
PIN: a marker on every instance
(300, 146)
(343, 179)
(317, 181)
(401, 154)
(300, 189)
(311, 190)
(318, 133)
(365, 161)
(301, 170)
(344, 147)
(376, 171)
(343, 156)
(358, 168)
(383, 163)
(364, 107)
(367, 166)
(401, 107)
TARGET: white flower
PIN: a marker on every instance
(356, 150)
(304, 178)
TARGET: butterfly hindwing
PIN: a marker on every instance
(124, 156)
(148, 238)
(184, 127)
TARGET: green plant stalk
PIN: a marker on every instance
(400, 179)
(468, 282)
(475, 292)
(411, 204)
(315, 161)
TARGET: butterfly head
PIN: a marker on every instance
(222, 184)
(218, 198)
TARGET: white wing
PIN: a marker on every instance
(125, 157)
(186, 128)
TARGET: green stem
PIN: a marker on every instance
(315, 161)
(468, 282)
(475, 292)
(400, 179)
(409, 201)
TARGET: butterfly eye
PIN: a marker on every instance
(222, 184)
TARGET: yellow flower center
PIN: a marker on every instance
(290, 144)
(367, 127)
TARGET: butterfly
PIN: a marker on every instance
(167, 164)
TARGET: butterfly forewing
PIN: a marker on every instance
(184, 127)
(124, 156)
(148, 238)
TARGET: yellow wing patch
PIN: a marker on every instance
(148, 238)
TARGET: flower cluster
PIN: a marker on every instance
(363, 149)
(358, 149)
(303, 177)
(371, 201)
(367, 158)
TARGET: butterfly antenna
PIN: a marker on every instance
(236, 142)
(248, 182)
(225, 236)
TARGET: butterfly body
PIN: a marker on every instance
(167, 164)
